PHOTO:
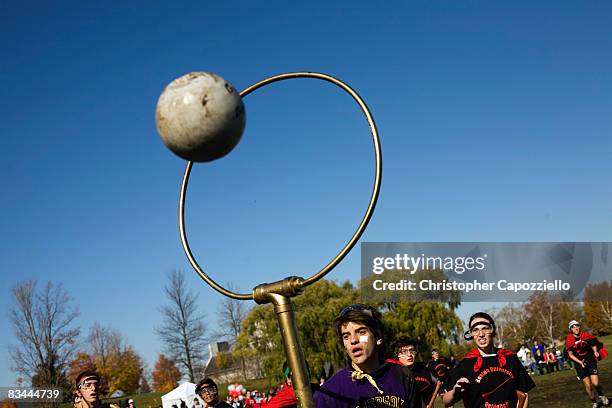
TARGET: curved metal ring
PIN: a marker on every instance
(364, 221)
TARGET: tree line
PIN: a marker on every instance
(50, 350)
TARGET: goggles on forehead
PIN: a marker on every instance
(485, 328)
(359, 307)
(89, 384)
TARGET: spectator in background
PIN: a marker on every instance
(207, 390)
(285, 397)
(530, 363)
(249, 399)
(537, 346)
(560, 359)
(522, 353)
(539, 360)
(551, 360)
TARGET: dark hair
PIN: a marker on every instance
(85, 374)
(363, 314)
(483, 315)
(401, 342)
(207, 382)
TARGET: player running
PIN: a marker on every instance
(487, 377)
(585, 350)
(405, 351)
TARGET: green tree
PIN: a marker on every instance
(427, 316)
(387, 299)
(434, 324)
(316, 308)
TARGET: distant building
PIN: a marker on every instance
(224, 368)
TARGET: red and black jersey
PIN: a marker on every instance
(440, 368)
(582, 346)
(494, 379)
(425, 382)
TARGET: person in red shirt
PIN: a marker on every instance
(584, 349)
(285, 397)
(551, 361)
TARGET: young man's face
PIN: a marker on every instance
(576, 329)
(406, 355)
(88, 389)
(359, 342)
(482, 331)
(435, 355)
(209, 394)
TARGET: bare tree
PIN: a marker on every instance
(43, 324)
(231, 313)
(511, 328)
(103, 342)
(183, 331)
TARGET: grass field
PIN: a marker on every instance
(558, 389)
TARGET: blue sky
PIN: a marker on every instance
(495, 123)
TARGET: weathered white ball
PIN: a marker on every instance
(200, 116)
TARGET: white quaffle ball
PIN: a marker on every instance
(200, 116)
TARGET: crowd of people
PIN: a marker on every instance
(487, 377)
(539, 360)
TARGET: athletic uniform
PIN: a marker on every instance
(424, 380)
(494, 379)
(393, 389)
(440, 368)
(582, 347)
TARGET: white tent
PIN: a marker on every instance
(185, 392)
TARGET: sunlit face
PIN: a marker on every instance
(576, 329)
(89, 388)
(435, 355)
(359, 342)
(482, 332)
(209, 394)
(406, 355)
